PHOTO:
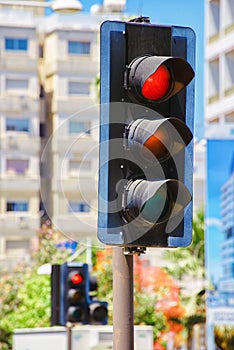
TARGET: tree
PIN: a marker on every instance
(188, 263)
(156, 297)
(25, 295)
(224, 337)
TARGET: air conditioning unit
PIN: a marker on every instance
(23, 102)
(23, 222)
(12, 142)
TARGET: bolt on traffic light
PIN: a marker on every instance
(146, 131)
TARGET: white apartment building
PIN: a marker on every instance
(49, 118)
(70, 71)
(219, 89)
(19, 137)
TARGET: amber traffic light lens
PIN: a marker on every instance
(157, 144)
(158, 85)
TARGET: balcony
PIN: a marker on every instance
(20, 104)
(24, 62)
(74, 144)
(76, 226)
(73, 66)
(75, 104)
(86, 186)
(20, 142)
(19, 224)
(12, 183)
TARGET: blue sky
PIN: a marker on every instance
(180, 12)
(219, 160)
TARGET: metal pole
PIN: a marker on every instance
(123, 310)
(69, 327)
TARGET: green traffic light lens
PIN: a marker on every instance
(77, 314)
(156, 208)
(74, 314)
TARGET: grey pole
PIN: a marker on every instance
(123, 310)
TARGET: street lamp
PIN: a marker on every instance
(61, 6)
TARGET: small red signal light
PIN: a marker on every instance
(77, 278)
(158, 84)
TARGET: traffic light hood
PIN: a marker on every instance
(158, 139)
(155, 201)
(169, 81)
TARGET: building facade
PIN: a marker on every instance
(49, 117)
(219, 89)
(226, 284)
(20, 140)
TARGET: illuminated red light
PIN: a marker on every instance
(77, 278)
(158, 84)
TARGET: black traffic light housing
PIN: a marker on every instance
(146, 131)
(70, 296)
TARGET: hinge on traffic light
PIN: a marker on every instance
(125, 137)
(126, 77)
(140, 19)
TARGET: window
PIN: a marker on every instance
(78, 47)
(18, 166)
(16, 84)
(213, 81)
(17, 206)
(77, 88)
(21, 125)
(79, 207)
(16, 44)
(79, 127)
(229, 73)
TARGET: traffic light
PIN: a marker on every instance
(70, 296)
(146, 131)
(98, 310)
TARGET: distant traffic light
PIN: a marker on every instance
(70, 294)
(76, 305)
(146, 129)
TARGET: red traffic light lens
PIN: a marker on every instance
(158, 84)
(77, 278)
(157, 144)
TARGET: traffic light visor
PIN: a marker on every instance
(74, 314)
(157, 78)
(160, 138)
(98, 311)
(155, 201)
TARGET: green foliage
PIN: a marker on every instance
(25, 295)
(224, 337)
(47, 251)
(33, 304)
(189, 261)
(145, 313)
